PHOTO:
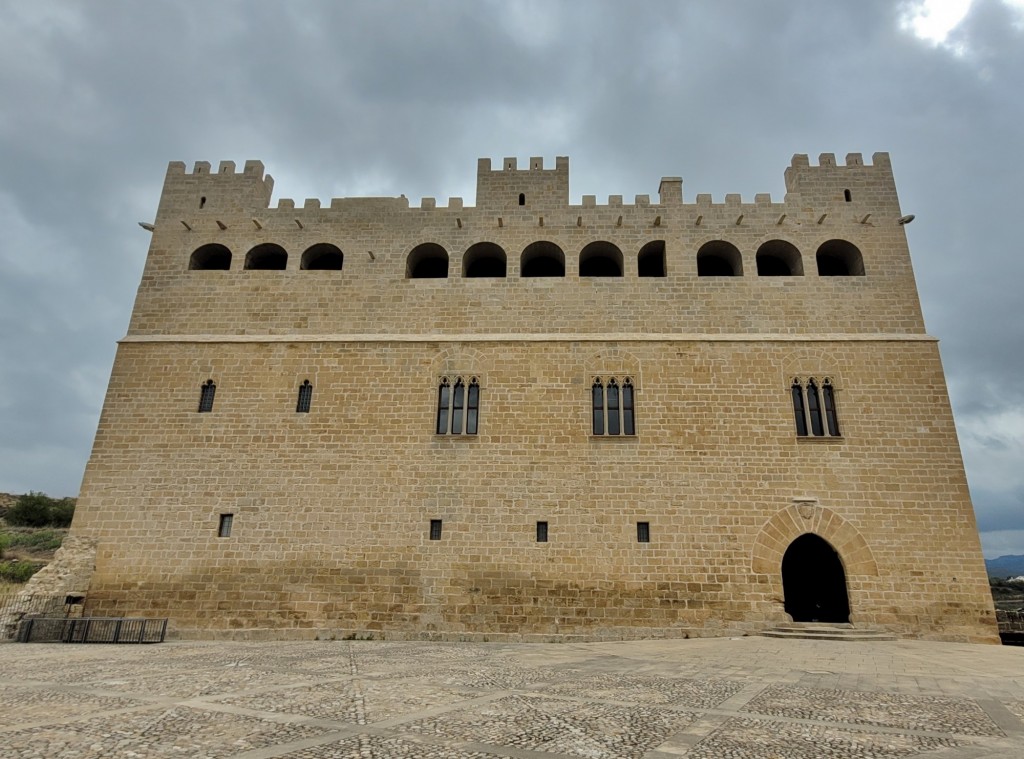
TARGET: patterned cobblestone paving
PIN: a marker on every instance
(748, 698)
(934, 713)
(756, 739)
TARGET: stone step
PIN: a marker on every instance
(816, 631)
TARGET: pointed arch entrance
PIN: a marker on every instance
(814, 581)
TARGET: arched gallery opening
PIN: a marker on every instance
(814, 582)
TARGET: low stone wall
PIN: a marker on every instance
(69, 574)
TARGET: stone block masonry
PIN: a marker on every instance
(371, 515)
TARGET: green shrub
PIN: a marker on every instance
(39, 510)
(18, 571)
(62, 512)
(38, 540)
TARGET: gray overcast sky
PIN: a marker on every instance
(385, 97)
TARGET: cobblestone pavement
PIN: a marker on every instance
(725, 698)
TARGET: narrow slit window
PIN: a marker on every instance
(472, 406)
(847, 196)
(224, 528)
(305, 398)
(597, 395)
(542, 532)
(613, 407)
(443, 400)
(628, 423)
(643, 532)
(522, 199)
(828, 394)
(435, 529)
(206, 394)
(458, 402)
(814, 408)
(799, 412)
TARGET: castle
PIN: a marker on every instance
(531, 420)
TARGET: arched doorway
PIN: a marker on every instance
(814, 581)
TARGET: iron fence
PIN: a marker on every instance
(92, 630)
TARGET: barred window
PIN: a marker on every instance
(305, 398)
(612, 406)
(458, 406)
(643, 532)
(435, 529)
(814, 407)
(206, 393)
(226, 522)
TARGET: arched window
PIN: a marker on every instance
(266, 256)
(210, 257)
(485, 259)
(427, 261)
(542, 259)
(651, 260)
(612, 406)
(839, 258)
(719, 258)
(322, 256)
(778, 258)
(522, 199)
(305, 398)
(206, 393)
(458, 406)
(814, 407)
(600, 259)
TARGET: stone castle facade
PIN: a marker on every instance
(529, 419)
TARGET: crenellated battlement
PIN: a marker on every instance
(514, 193)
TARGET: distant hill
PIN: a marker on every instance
(1005, 566)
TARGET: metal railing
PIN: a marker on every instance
(92, 630)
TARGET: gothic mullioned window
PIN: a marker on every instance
(814, 407)
(206, 393)
(458, 405)
(612, 406)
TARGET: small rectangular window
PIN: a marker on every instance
(224, 530)
(542, 532)
(643, 532)
(435, 529)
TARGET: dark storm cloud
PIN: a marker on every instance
(401, 97)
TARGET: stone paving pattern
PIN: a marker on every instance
(738, 698)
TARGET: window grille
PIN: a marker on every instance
(206, 393)
(305, 398)
(814, 407)
(643, 532)
(435, 529)
(612, 406)
(458, 406)
(226, 521)
(542, 532)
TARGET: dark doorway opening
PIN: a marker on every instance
(814, 582)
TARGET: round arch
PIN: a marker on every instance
(427, 261)
(213, 256)
(484, 259)
(542, 259)
(718, 258)
(267, 256)
(601, 259)
(839, 258)
(322, 256)
(778, 258)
